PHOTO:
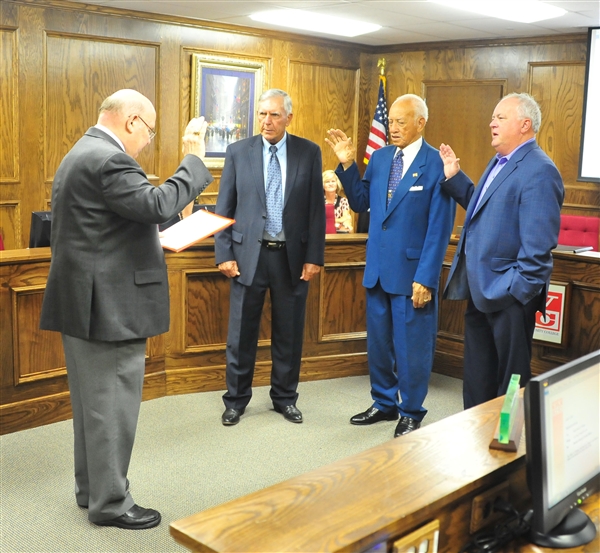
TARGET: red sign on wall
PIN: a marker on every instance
(550, 328)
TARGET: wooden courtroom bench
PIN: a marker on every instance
(371, 498)
(374, 497)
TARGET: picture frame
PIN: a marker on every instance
(552, 330)
(225, 91)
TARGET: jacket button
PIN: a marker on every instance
(384, 227)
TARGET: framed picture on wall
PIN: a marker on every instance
(225, 91)
(551, 329)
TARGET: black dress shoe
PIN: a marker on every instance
(290, 413)
(373, 415)
(232, 416)
(405, 426)
(136, 518)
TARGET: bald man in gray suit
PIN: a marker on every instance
(107, 290)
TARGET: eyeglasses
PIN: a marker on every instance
(151, 131)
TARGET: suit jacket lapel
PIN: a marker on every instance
(255, 154)
(293, 160)
(410, 176)
(386, 168)
(504, 173)
(474, 198)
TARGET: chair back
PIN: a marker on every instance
(577, 230)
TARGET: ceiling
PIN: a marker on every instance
(402, 21)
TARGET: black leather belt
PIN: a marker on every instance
(273, 245)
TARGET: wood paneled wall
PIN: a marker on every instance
(462, 82)
(60, 59)
(191, 356)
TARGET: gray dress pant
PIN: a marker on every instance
(105, 383)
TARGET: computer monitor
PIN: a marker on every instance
(39, 230)
(562, 428)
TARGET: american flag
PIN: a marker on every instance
(379, 126)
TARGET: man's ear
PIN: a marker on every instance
(289, 119)
(129, 124)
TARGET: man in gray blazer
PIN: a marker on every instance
(272, 186)
(107, 290)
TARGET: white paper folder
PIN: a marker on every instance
(192, 229)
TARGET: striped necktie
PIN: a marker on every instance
(274, 199)
(395, 176)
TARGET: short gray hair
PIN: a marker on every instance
(418, 103)
(527, 108)
(276, 92)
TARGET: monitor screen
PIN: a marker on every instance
(589, 161)
(562, 425)
(39, 231)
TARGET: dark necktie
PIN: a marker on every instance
(395, 176)
(274, 199)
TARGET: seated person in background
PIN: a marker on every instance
(337, 209)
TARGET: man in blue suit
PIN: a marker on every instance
(410, 225)
(503, 261)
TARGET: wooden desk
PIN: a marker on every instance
(376, 497)
(191, 356)
(372, 497)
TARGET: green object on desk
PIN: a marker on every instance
(509, 409)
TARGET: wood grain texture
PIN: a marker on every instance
(343, 302)
(10, 222)
(190, 357)
(471, 139)
(324, 97)
(374, 496)
(63, 58)
(9, 100)
(100, 67)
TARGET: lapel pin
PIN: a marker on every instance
(415, 174)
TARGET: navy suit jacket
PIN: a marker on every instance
(242, 197)
(407, 240)
(511, 234)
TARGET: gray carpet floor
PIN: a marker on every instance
(185, 461)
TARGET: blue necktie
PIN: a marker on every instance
(491, 176)
(395, 176)
(274, 199)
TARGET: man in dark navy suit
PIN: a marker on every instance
(503, 261)
(272, 186)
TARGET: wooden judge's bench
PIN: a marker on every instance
(386, 499)
(191, 356)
